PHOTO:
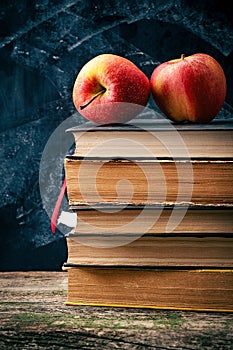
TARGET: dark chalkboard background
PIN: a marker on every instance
(43, 45)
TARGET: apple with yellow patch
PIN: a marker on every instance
(191, 88)
(110, 89)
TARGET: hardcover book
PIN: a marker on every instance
(160, 138)
(190, 289)
(178, 180)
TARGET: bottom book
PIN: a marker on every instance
(177, 289)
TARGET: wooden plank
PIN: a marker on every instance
(33, 315)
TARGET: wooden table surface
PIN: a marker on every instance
(33, 315)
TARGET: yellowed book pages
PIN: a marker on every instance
(160, 138)
(150, 250)
(155, 220)
(204, 290)
(149, 181)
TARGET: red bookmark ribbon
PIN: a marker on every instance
(56, 210)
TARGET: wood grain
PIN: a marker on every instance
(33, 315)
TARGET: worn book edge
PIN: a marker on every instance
(188, 268)
(154, 125)
(154, 307)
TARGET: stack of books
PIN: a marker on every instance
(154, 205)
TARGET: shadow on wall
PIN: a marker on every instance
(167, 41)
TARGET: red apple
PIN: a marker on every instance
(190, 88)
(110, 89)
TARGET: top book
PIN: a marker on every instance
(158, 138)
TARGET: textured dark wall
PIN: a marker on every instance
(43, 44)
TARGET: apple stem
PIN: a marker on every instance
(182, 56)
(93, 98)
